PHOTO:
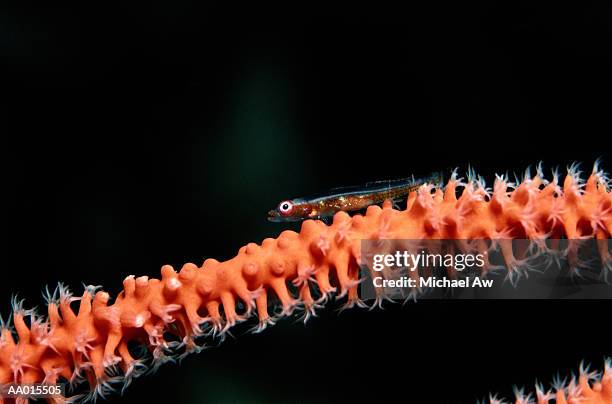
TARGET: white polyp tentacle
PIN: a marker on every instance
(378, 301)
(326, 296)
(230, 322)
(82, 344)
(482, 187)
(135, 369)
(111, 360)
(262, 325)
(76, 377)
(352, 303)
(190, 347)
(305, 274)
(543, 395)
(91, 289)
(160, 357)
(521, 397)
(350, 284)
(309, 311)
(590, 375)
(540, 173)
(51, 374)
(494, 400)
(516, 270)
(253, 295)
(323, 244)
(454, 178)
(598, 217)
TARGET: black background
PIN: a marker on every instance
(144, 134)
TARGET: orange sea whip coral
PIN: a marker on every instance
(200, 302)
(589, 387)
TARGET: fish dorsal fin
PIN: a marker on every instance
(434, 178)
(375, 184)
(391, 182)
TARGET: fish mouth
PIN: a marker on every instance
(273, 216)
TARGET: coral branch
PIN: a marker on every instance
(589, 387)
(173, 315)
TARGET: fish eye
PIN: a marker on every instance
(285, 207)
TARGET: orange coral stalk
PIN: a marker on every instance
(589, 388)
(205, 301)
